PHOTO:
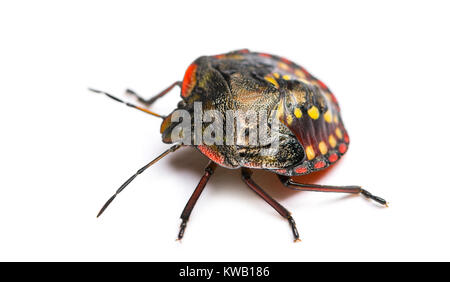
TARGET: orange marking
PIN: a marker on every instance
(299, 73)
(319, 164)
(332, 141)
(322, 84)
(335, 119)
(301, 169)
(165, 124)
(272, 80)
(188, 80)
(211, 154)
(346, 138)
(323, 148)
(265, 55)
(342, 148)
(338, 133)
(285, 60)
(283, 66)
(332, 158)
(310, 153)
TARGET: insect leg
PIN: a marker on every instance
(288, 182)
(126, 103)
(125, 184)
(151, 100)
(209, 170)
(246, 177)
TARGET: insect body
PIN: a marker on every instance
(309, 130)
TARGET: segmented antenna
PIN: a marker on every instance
(125, 184)
(126, 103)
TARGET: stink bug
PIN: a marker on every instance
(311, 135)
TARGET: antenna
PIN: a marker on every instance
(126, 103)
(125, 184)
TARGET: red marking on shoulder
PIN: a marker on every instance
(342, 148)
(211, 154)
(188, 80)
(282, 171)
(265, 55)
(165, 124)
(221, 56)
(332, 158)
(301, 169)
(244, 51)
(319, 164)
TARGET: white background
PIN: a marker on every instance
(65, 150)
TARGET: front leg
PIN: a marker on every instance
(148, 102)
(209, 170)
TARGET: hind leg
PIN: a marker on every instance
(288, 182)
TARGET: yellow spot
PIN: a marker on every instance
(299, 73)
(335, 119)
(283, 66)
(327, 116)
(313, 112)
(235, 56)
(289, 119)
(276, 75)
(298, 113)
(310, 153)
(338, 133)
(272, 80)
(323, 148)
(286, 77)
(332, 141)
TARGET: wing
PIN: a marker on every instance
(316, 122)
(309, 109)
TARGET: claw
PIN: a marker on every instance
(294, 229)
(182, 228)
(377, 199)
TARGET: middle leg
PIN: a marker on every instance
(246, 177)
